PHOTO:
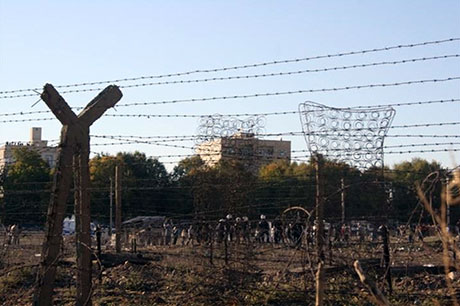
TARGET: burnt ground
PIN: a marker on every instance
(254, 275)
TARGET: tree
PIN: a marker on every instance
(183, 180)
(405, 176)
(215, 191)
(26, 188)
(283, 184)
(145, 184)
(187, 167)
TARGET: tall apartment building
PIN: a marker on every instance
(49, 154)
(246, 148)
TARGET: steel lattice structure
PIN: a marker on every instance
(221, 136)
(218, 126)
(351, 135)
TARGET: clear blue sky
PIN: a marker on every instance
(63, 42)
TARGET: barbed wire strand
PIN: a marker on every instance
(230, 68)
(264, 75)
(301, 91)
(394, 104)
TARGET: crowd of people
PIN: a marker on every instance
(242, 230)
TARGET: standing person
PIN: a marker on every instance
(15, 232)
(210, 233)
(347, 233)
(410, 236)
(336, 233)
(238, 229)
(167, 230)
(190, 234)
(229, 227)
(342, 232)
(277, 230)
(263, 230)
(297, 230)
(9, 235)
(183, 236)
(246, 229)
(220, 230)
(175, 234)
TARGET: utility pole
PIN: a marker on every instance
(118, 208)
(72, 162)
(319, 229)
(342, 183)
(111, 209)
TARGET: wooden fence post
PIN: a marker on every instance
(319, 230)
(118, 208)
(73, 151)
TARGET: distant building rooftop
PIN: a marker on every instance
(49, 154)
(246, 148)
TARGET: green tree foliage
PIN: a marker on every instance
(215, 191)
(186, 168)
(26, 188)
(196, 190)
(405, 178)
(236, 186)
(145, 185)
(283, 184)
(184, 177)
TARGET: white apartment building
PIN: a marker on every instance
(246, 148)
(49, 154)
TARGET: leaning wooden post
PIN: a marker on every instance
(56, 210)
(377, 295)
(319, 229)
(319, 285)
(73, 150)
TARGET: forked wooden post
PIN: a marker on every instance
(73, 156)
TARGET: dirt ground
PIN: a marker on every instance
(253, 275)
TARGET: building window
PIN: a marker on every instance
(247, 151)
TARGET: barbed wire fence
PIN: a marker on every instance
(235, 259)
(286, 260)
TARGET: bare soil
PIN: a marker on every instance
(253, 275)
